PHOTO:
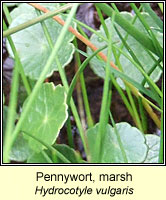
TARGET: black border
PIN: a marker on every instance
(89, 164)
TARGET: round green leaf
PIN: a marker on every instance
(153, 143)
(46, 116)
(129, 69)
(20, 150)
(32, 45)
(133, 143)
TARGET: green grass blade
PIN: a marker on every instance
(11, 112)
(80, 70)
(36, 20)
(104, 111)
(84, 91)
(137, 60)
(7, 13)
(161, 153)
(119, 139)
(128, 27)
(161, 6)
(153, 15)
(102, 21)
(143, 116)
(149, 80)
(155, 42)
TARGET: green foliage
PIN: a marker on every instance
(46, 116)
(32, 44)
(20, 150)
(153, 142)
(65, 150)
(5, 110)
(32, 138)
(133, 144)
(126, 140)
(129, 69)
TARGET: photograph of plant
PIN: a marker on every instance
(83, 83)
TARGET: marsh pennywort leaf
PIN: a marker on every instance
(46, 116)
(153, 143)
(129, 69)
(32, 45)
(132, 139)
(20, 150)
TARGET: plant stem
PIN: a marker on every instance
(104, 111)
(11, 112)
(36, 20)
(161, 153)
(143, 116)
(84, 92)
(69, 132)
(80, 70)
(102, 21)
(7, 13)
(134, 112)
(74, 109)
(80, 102)
(136, 115)
(119, 139)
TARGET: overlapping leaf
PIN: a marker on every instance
(153, 142)
(46, 116)
(133, 142)
(20, 150)
(137, 147)
(129, 69)
(32, 44)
